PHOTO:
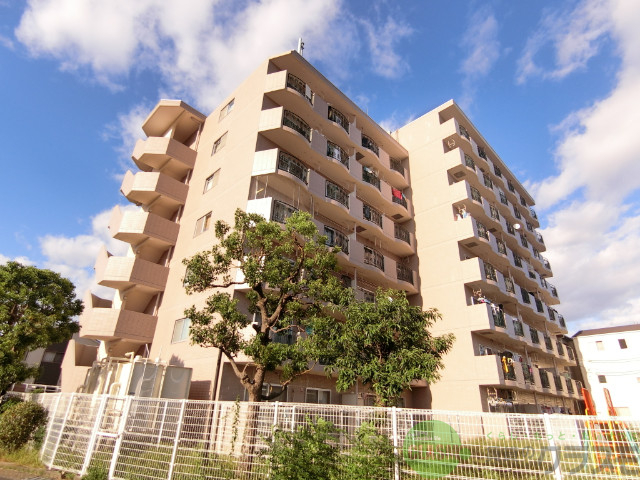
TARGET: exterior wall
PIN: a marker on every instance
(600, 355)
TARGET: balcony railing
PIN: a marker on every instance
(558, 382)
(517, 328)
(337, 193)
(533, 213)
(523, 202)
(561, 321)
(300, 87)
(490, 272)
(282, 211)
(469, 162)
(482, 230)
(546, 262)
(523, 240)
(336, 238)
(289, 163)
(463, 132)
(544, 379)
(503, 198)
(532, 274)
(370, 177)
(535, 338)
(508, 369)
(370, 145)
(539, 306)
(498, 318)
(525, 296)
(487, 181)
(475, 195)
(517, 213)
(404, 273)
(371, 214)
(293, 121)
(336, 152)
(481, 152)
(339, 118)
(502, 247)
(569, 385)
(539, 237)
(547, 342)
(398, 197)
(494, 212)
(508, 283)
(529, 226)
(372, 257)
(396, 165)
(510, 186)
(497, 171)
(402, 233)
(527, 373)
(560, 347)
(552, 313)
(554, 291)
(570, 353)
(517, 259)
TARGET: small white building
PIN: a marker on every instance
(609, 358)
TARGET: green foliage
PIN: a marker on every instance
(8, 402)
(371, 456)
(19, 423)
(290, 276)
(385, 344)
(36, 309)
(308, 453)
(97, 472)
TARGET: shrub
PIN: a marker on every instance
(97, 472)
(371, 456)
(308, 453)
(18, 424)
(7, 402)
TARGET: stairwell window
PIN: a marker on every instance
(226, 109)
(602, 378)
(219, 143)
(622, 342)
(211, 181)
(203, 224)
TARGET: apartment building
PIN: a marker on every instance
(481, 264)
(287, 139)
(609, 360)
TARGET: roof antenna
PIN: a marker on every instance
(300, 46)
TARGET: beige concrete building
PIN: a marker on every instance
(286, 140)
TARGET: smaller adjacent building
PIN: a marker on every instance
(609, 358)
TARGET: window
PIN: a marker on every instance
(602, 379)
(599, 345)
(317, 395)
(53, 357)
(181, 330)
(211, 181)
(219, 143)
(203, 224)
(622, 342)
(226, 109)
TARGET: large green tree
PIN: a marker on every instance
(386, 345)
(37, 308)
(290, 280)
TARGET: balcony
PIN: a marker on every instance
(111, 324)
(336, 238)
(164, 154)
(154, 188)
(369, 144)
(336, 193)
(289, 91)
(281, 211)
(299, 86)
(122, 273)
(335, 116)
(369, 177)
(137, 227)
(404, 273)
(290, 164)
(176, 116)
(287, 130)
(374, 258)
(335, 152)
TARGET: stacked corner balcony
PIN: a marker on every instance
(165, 159)
(321, 154)
(518, 335)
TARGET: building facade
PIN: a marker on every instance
(287, 140)
(609, 358)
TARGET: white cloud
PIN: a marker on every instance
(21, 259)
(74, 257)
(6, 42)
(482, 46)
(382, 41)
(593, 234)
(127, 130)
(392, 123)
(575, 35)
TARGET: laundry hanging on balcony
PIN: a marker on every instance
(397, 193)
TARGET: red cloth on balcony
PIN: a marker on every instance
(396, 193)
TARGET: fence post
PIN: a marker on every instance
(275, 413)
(176, 439)
(116, 447)
(94, 434)
(293, 418)
(62, 427)
(394, 427)
(555, 458)
(52, 416)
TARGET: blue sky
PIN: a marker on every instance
(553, 86)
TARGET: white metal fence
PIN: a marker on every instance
(145, 438)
